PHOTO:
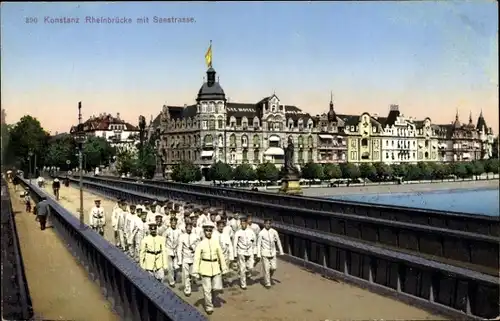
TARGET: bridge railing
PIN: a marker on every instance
(134, 294)
(454, 291)
(477, 251)
(465, 222)
(16, 299)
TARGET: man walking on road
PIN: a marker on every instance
(209, 265)
(42, 212)
(153, 254)
(267, 242)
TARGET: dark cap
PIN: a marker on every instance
(268, 219)
(133, 206)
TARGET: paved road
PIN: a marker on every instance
(59, 286)
(297, 296)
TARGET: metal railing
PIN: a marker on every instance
(133, 293)
(16, 299)
(457, 292)
(477, 251)
(465, 222)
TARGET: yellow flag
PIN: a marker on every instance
(208, 56)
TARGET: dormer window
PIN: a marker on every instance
(352, 128)
(273, 108)
(282, 107)
(374, 129)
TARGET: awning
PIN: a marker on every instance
(274, 151)
(207, 153)
(274, 139)
(326, 136)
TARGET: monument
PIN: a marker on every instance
(290, 182)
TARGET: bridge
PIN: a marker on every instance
(316, 277)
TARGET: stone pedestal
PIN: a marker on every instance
(290, 186)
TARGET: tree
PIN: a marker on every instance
(399, 170)
(367, 171)
(426, 171)
(27, 136)
(331, 171)
(458, 169)
(491, 166)
(220, 172)
(60, 150)
(125, 162)
(413, 172)
(186, 172)
(439, 170)
(244, 172)
(97, 151)
(267, 172)
(470, 168)
(383, 170)
(312, 171)
(477, 168)
(350, 171)
(145, 163)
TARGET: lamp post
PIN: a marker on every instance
(30, 154)
(80, 140)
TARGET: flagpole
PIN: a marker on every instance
(211, 54)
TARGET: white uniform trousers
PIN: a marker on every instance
(117, 238)
(245, 265)
(171, 270)
(210, 284)
(158, 274)
(123, 240)
(187, 270)
(269, 265)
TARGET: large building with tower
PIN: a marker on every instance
(214, 129)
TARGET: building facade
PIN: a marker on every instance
(214, 129)
(115, 130)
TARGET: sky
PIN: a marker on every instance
(430, 58)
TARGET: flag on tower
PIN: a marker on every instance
(208, 56)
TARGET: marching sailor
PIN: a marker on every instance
(234, 222)
(225, 242)
(130, 220)
(120, 225)
(244, 244)
(141, 227)
(162, 227)
(172, 235)
(253, 226)
(97, 218)
(151, 213)
(153, 255)
(185, 255)
(115, 214)
(267, 242)
(209, 265)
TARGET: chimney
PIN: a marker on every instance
(118, 116)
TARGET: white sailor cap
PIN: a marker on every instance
(208, 225)
(192, 215)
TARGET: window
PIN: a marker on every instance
(204, 124)
(221, 141)
(310, 156)
(220, 123)
(301, 156)
(256, 156)
(256, 140)
(212, 124)
(364, 142)
(232, 140)
(353, 155)
(273, 108)
(245, 155)
(203, 108)
(244, 141)
(208, 140)
(310, 141)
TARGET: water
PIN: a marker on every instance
(473, 201)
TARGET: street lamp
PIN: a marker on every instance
(30, 154)
(80, 140)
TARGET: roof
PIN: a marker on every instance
(103, 121)
(211, 89)
(481, 123)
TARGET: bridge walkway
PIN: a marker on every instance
(59, 286)
(297, 295)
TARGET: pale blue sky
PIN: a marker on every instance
(419, 54)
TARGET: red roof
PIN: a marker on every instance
(103, 122)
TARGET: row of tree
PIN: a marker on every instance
(26, 145)
(377, 172)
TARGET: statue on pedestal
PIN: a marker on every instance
(290, 182)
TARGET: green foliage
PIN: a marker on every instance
(439, 171)
(426, 170)
(125, 162)
(186, 172)
(145, 165)
(398, 170)
(492, 166)
(312, 171)
(350, 171)
(267, 172)
(244, 172)
(97, 152)
(458, 169)
(331, 171)
(220, 172)
(367, 170)
(60, 150)
(413, 172)
(383, 171)
(27, 136)
(494, 147)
